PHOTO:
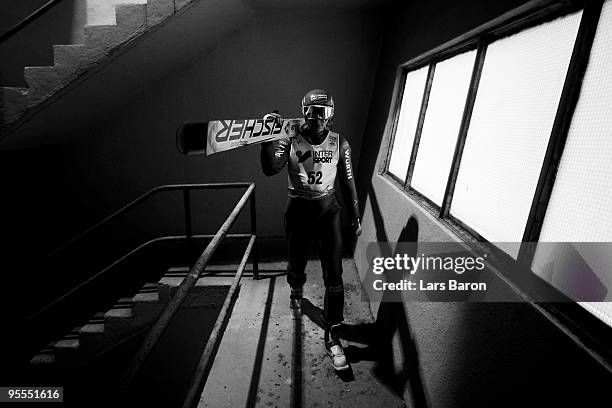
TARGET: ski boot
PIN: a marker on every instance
(334, 349)
(295, 302)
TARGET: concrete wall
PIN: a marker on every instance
(455, 354)
(268, 63)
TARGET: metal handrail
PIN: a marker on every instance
(29, 19)
(213, 338)
(145, 196)
(122, 259)
(188, 230)
(183, 290)
(207, 356)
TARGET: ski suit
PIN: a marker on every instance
(313, 211)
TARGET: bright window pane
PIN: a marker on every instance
(513, 114)
(579, 207)
(441, 127)
(407, 123)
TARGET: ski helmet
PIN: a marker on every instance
(318, 103)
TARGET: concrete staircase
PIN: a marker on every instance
(128, 317)
(75, 61)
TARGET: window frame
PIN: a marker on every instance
(590, 332)
(398, 105)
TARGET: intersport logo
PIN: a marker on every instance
(322, 156)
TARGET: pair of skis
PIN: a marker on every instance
(222, 135)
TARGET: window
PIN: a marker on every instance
(514, 110)
(579, 206)
(407, 122)
(518, 94)
(441, 126)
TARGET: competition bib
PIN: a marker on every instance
(312, 168)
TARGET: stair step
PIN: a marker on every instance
(119, 313)
(131, 17)
(43, 358)
(76, 57)
(149, 287)
(69, 62)
(95, 319)
(210, 269)
(209, 291)
(59, 351)
(147, 297)
(174, 281)
(126, 301)
(43, 82)
(120, 321)
(67, 344)
(103, 38)
(92, 328)
(147, 305)
(130, 21)
(94, 338)
(14, 103)
(177, 270)
(67, 54)
(127, 316)
(158, 11)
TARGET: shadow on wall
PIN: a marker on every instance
(473, 354)
(391, 321)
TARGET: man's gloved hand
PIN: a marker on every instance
(277, 117)
(356, 225)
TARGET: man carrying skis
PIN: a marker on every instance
(314, 157)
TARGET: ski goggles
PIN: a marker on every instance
(318, 112)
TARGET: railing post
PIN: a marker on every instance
(188, 232)
(254, 232)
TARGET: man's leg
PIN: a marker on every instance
(298, 239)
(331, 264)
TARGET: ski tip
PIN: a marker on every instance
(191, 138)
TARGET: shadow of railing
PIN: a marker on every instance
(261, 344)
